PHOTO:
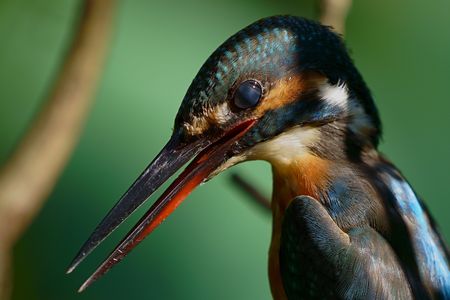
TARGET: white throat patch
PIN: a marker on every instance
(280, 151)
(285, 147)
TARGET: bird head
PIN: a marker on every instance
(278, 87)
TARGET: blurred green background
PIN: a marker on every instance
(215, 245)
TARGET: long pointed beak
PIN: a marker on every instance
(210, 154)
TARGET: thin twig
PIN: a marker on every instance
(249, 189)
(31, 172)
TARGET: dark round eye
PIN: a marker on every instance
(248, 94)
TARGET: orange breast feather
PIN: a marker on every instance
(306, 176)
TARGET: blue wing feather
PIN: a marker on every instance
(430, 253)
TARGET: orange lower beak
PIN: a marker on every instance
(209, 158)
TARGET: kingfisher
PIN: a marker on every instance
(346, 223)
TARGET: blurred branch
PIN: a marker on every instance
(32, 170)
(251, 191)
(334, 13)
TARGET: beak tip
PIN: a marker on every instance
(73, 265)
(84, 286)
(77, 260)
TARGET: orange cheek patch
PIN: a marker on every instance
(287, 90)
(281, 93)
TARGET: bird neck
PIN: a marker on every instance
(306, 175)
(303, 175)
(306, 160)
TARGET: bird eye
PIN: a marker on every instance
(248, 94)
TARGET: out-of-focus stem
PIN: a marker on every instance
(34, 167)
(334, 13)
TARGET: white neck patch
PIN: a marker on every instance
(335, 95)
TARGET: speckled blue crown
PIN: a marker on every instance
(271, 48)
